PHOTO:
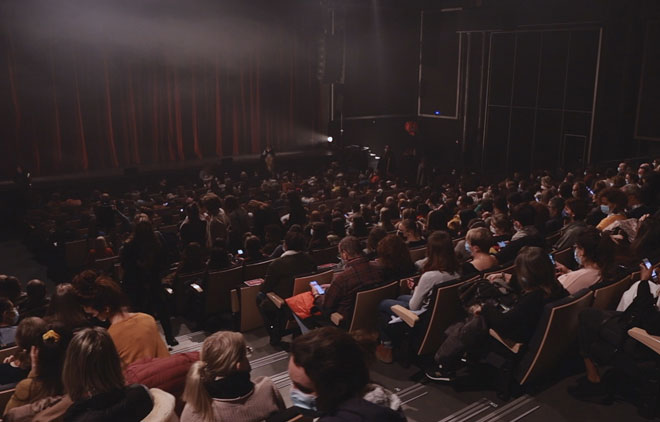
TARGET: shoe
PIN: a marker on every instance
(172, 342)
(384, 353)
(439, 374)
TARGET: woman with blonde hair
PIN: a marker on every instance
(218, 387)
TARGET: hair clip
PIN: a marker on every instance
(50, 334)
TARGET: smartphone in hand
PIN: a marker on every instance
(317, 287)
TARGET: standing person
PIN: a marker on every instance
(193, 228)
(143, 259)
(386, 164)
(218, 386)
(268, 160)
(217, 221)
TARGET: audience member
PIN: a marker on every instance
(36, 303)
(65, 309)
(8, 322)
(394, 258)
(613, 204)
(478, 242)
(575, 211)
(17, 366)
(595, 256)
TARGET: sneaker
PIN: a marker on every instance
(439, 374)
(384, 353)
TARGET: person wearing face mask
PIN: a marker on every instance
(524, 217)
(574, 212)
(478, 242)
(329, 373)
(556, 221)
(500, 228)
(135, 334)
(613, 204)
(8, 323)
(219, 388)
(594, 254)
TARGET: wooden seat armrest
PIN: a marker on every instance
(277, 301)
(336, 318)
(639, 334)
(406, 315)
(235, 301)
(509, 344)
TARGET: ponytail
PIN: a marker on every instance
(195, 392)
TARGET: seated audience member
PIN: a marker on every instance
(337, 230)
(330, 376)
(647, 240)
(556, 220)
(394, 258)
(8, 321)
(219, 388)
(17, 367)
(636, 207)
(478, 242)
(239, 221)
(340, 295)
(409, 230)
(10, 288)
(100, 250)
(319, 237)
(575, 211)
(358, 226)
(279, 280)
(527, 234)
(192, 259)
(93, 379)
(45, 377)
(500, 227)
(375, 235)
(435, 220)
(385, 220)
(603, 338)
(65, 309)
(535, 276)
(441, 267)
(135, 335)
(36, 303)
(219, 257)
(193, 228)
(594, 254)
(252, 250)
(613, 204)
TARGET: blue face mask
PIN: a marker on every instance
(468, 249)
(605, 209)
(577, 257)
(303, 400)
(565, 214)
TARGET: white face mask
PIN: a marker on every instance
(303, 400)
(493, 230)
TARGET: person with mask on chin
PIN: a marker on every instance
(330, 380)
(219, 388)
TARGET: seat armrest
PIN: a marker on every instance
(406, 315)
(336, 318)
(509, 344)
(234, 300)
(277, 301)
(639, 334)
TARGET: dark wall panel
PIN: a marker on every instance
(648, 124)
(553, 69)
(527, 66)
(521, 138)
(548, 139)
(582, 70)
(496, 138)
(501, 68)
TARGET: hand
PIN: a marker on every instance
(645, 273)
(561, 268)
(8, 359)
(475, 309)
(493, 277)
(325, 286)
(410, 283)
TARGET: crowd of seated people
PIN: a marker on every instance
(465, 228)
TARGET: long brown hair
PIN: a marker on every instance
(440, 253)
(394, 254)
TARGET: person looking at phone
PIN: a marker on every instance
(575, 211)
(594, 254)
(358, 274)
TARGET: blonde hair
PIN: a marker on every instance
(218, 358)
(91, 365)
(481, 237)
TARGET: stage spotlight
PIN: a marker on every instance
(329, 138)
(372, 154)
(377, 158)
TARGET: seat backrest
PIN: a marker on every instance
(551, 239)
(554, 335)
(365, 313)
(172, 228)
(258, 270)
(75, 253)
(8, 351)
(218, 287)
(325, 256)
(417, 254)
(565, 257)
(106, 265)
(180, 283)
(508, 269)
(445, 309)
(301, 284)
(608, 296)
(250, 318)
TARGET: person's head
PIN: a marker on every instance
(566, 190)
(480, 240)
(28, 334)
(231, 203)
(613, 201)
(318, 231)
(327, 367)
(252, 247)
(100, 296)
(633, 193)
(350, 248)
(65, 308)
(440, 253)
(523, 215)
(8, 312)
(294, 241)
(580, 191)
(10, 287)
(358, 227)
(223, 354)
(534, 270)
(576, 209)
(91, 365)
(555, 206)
(393, 253)
(192, 211)
(50, 351)
(500, 224)
(100, 243)
(622, 168)
(591, 247)
(409, 230)
(36, 291)
(375, 235)
(212, 203)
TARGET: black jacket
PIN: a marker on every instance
(130, 404)
(360, 410)
(281, 272)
